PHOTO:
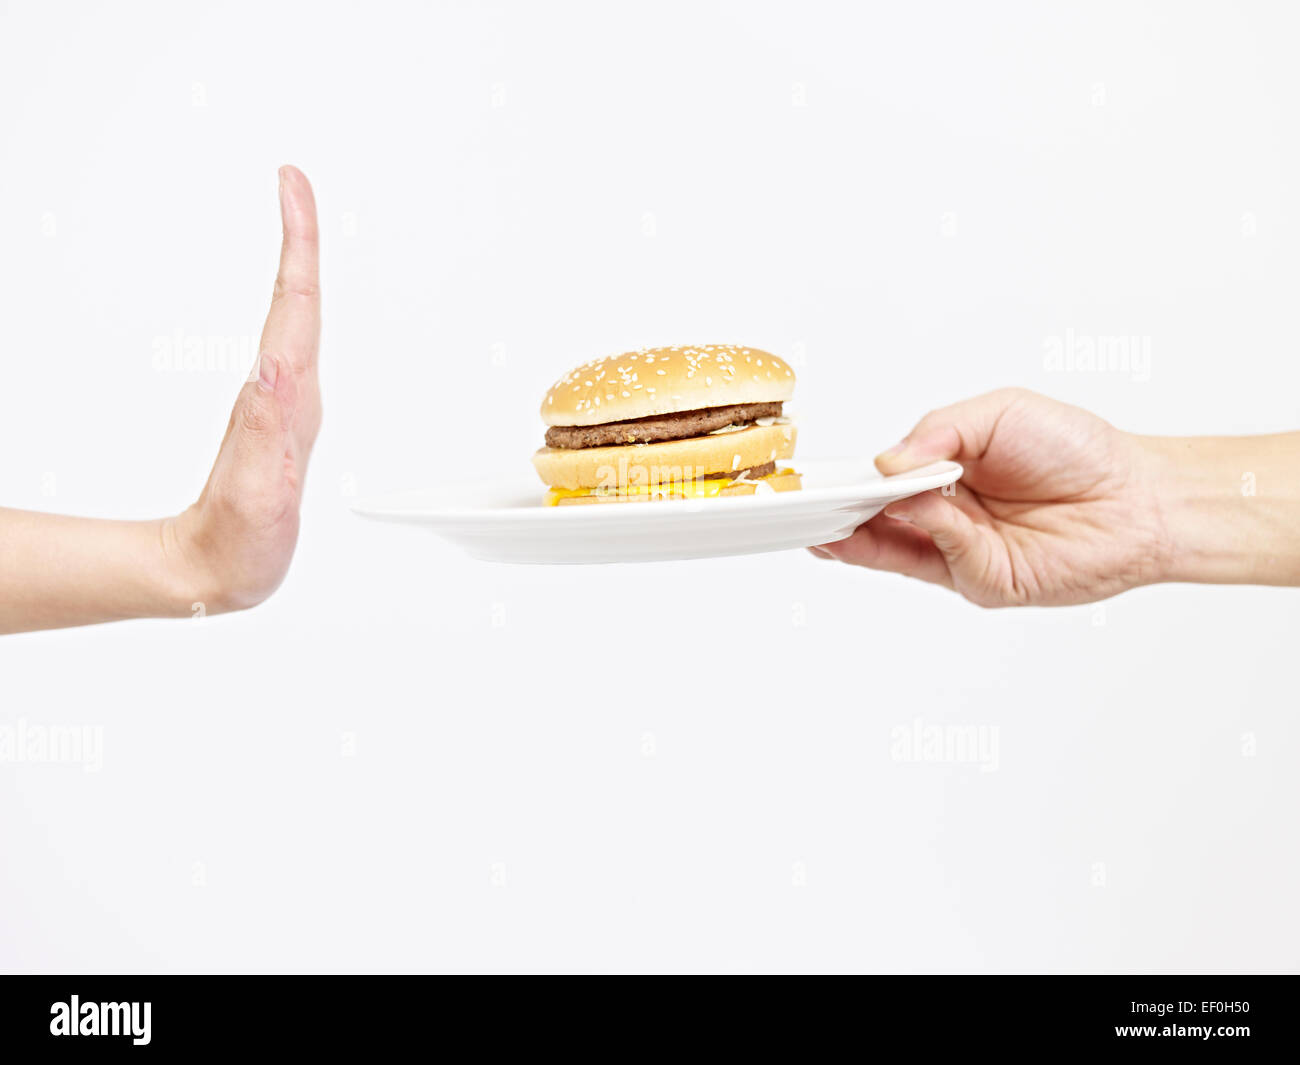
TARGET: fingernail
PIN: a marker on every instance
(280, 174)
(897, 515)
(897, 449)
(268, 372)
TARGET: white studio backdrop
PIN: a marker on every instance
(408, 760)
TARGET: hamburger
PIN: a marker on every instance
(668, 423)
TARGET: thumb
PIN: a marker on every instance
(950, 528)
(962, 431)
(259, 430)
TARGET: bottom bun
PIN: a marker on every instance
(664, 463)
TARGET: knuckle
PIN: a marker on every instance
(256, 418)
(307, 290)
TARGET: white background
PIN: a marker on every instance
(407, 760)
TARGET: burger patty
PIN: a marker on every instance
(659, 427)
(753, 473)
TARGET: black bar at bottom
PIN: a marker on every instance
(1226, 1015)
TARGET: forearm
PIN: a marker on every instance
(1230, 506)
(57, 571)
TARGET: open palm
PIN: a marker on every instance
(234, 545)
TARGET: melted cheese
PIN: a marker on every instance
(781, 481)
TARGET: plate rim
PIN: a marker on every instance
(868, 490)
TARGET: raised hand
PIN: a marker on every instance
(237, 540)
(232, 548)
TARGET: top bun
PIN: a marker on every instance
(652, 381)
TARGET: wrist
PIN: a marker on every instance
(187, 584)
(1230, 507)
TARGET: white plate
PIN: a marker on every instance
(507, 522)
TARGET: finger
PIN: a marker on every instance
(961, 431)
(261, 426)
(957, 538)
(292, 330)
(894, 546)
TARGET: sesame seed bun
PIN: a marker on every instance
(653, 381)
(670, 460)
